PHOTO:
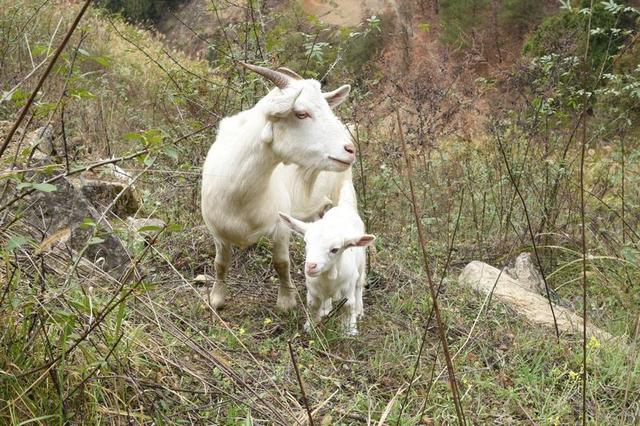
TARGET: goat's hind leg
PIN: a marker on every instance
(287, 291)
(218, 291)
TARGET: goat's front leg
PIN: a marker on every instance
(223, 257)
(287, 291)
(358, 296)
(326, 308)
(349, 312)
(315, 308)
(350, 318)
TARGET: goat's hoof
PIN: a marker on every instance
(286, 299)
(215, 299)
(286, 303)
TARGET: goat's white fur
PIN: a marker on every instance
(245, 183)
(335, 275)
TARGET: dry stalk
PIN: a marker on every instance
(428, 324)
(304, 394)
(530, 229)
(584, 233)
(432, 289)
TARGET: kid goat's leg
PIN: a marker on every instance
(349, 311)
(314, 308)
(223, 257)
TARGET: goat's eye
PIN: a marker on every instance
(334, 250)
(302, 115)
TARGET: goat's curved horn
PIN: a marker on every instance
(280, 79)
(294, 75)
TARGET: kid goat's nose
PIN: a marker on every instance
(311, 267)
(350, 148)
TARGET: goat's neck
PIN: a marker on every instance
(257, 167)
(308, 178)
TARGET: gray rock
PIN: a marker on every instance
(102, 191)
(486, 279)
(203, 279)
(67, 211)
(527, 274)
(42, 139)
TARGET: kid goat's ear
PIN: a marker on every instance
(296, 225)
(361, 241)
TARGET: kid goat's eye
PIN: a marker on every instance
(334, 250)
(302, 115)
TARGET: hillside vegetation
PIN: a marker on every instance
(519, 120)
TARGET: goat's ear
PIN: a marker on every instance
(296, 225)
(361, 241)
(338, 96)
(281, 105)
(266, 135)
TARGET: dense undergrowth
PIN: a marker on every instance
(79, 346)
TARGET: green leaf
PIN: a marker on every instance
(105, 61)
(39, 49)
(95, 240)
(171, 152)
(150, 228)
(44, 187)
(153, 136)
(16, 241)
(45, 108)
(149, 160)
(133, 136)
(24, 185)
(174, 227)
(19, 95)
(88, 222)
(49, 169)
(82, 94)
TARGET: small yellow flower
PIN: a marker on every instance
(241, 331)
(573, 375)
(267, 321)
(594, 343)
(311, 342)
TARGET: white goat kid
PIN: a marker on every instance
(241, 194)
(335, 263)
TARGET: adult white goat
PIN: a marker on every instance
(335, 264)
(244, 181)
